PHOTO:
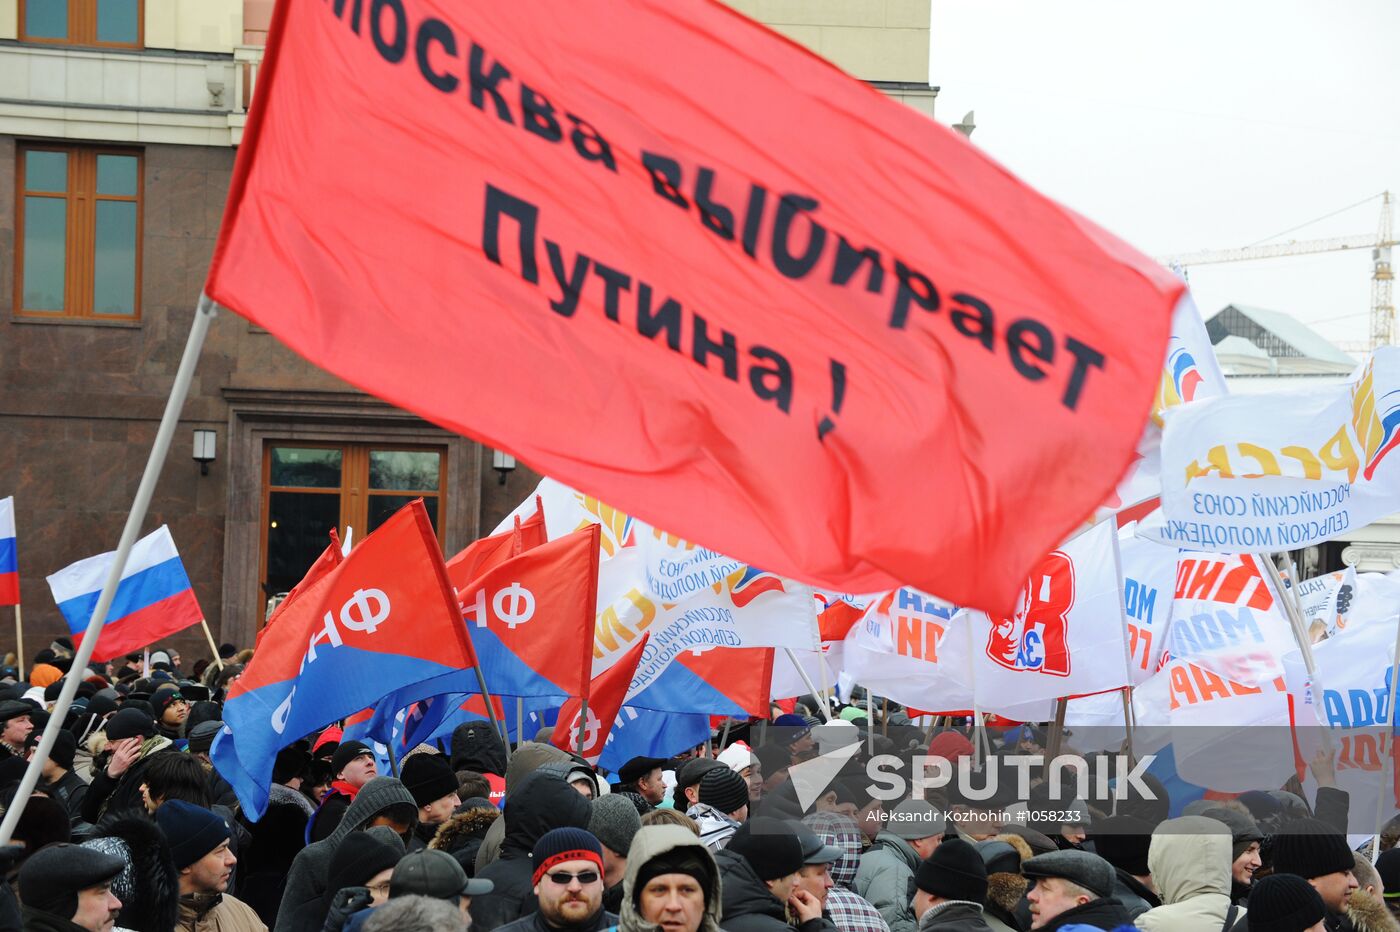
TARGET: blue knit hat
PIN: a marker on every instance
(193, 831)
(564, 844)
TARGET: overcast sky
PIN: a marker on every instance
(1194, 124)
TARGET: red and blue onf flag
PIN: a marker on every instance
(153, 600)
(9, 553)
(732, 681)
(385, 618)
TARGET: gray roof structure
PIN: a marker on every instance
(1275, 333)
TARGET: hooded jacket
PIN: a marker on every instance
(654, 841)
(476, 746)
(528, 757)
(747, 905)
(1190, 861)
(303, 906)
(886, 879)
(541, 802)
(460, 836)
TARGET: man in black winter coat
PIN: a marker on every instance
(568, 880)
(758, 881)
(541, 802)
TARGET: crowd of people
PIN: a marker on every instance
(131, 827)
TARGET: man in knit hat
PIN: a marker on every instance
(686, 792)
(951, 886)
(614, 822)
(672, 882)
(199, 844)
(1320, 855)
(1285, 903)
(172, 709)
(65, 887)
(759, 881)
(433, 785)
(568, 878)
(1072, 888)
(352, 766)
(722, 807)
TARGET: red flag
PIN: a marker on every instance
(389, 599)
(481, 555)
(532, 617)
(701, 302)
(606, 694)
(328, 560)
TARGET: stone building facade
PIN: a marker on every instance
(119, 124)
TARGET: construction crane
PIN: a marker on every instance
(1380, 243)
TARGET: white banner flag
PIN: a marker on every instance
(1190, 373)
(1067, 635)
(1261, 473)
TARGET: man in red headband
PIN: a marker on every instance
(568, 876)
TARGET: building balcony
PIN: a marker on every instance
(119, 96)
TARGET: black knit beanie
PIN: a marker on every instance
(428, 777)
(1310, 848)
(686, 860)
(1123, 841)
(954, 871)
(1284, 903)
(354, 864)
(724, 789)
(769, 845)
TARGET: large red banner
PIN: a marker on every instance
(672, 259)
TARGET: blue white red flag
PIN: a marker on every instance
(153, 600)
(9, 553)
(384, 618)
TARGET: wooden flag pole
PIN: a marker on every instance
(19, 641)
(160, 449)
(209, 635)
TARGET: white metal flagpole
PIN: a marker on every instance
(204, 313)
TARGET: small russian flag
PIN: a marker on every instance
(9, 553)
(153, 600)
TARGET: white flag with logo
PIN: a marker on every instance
(1149, 585)
(1285, 470)
(688, 597)
(1190, 373)
(1067, 636)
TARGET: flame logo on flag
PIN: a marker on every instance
(616, 525)
(747, 583)
(1377, 431)
(1181, 377)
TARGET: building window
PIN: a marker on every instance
(99, 23)
(79, 246)
(309, 489)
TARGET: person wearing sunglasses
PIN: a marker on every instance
(568, 880)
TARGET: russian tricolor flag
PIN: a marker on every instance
(154, 598)
(9, 554)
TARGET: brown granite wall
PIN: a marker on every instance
(80, 400)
